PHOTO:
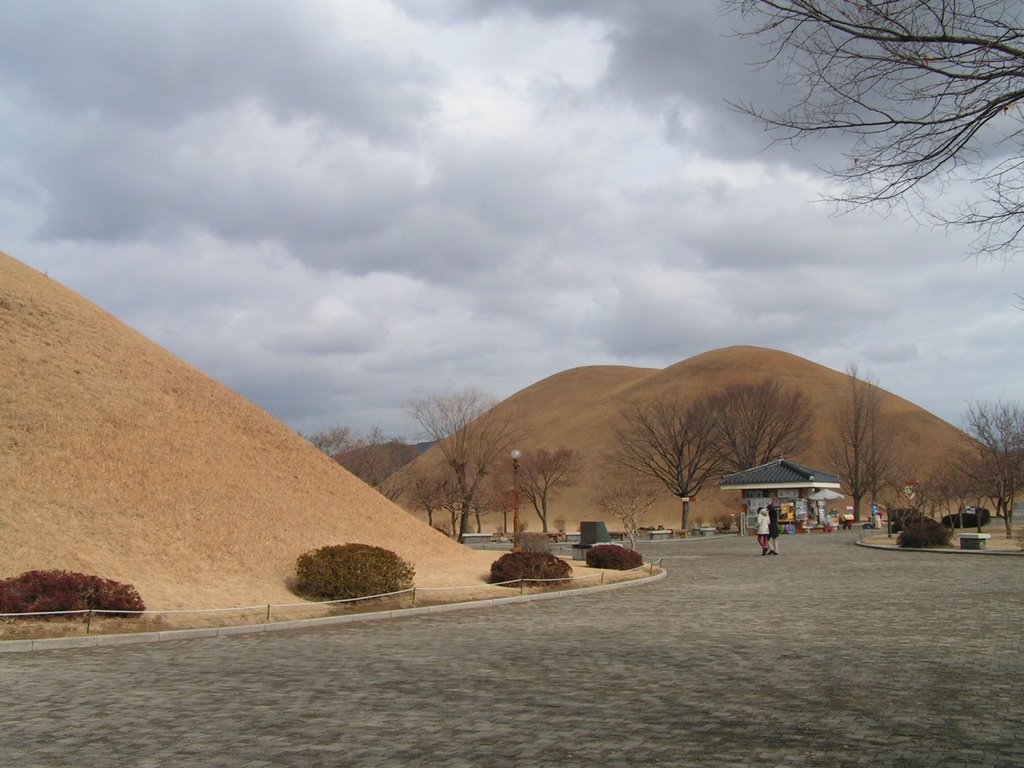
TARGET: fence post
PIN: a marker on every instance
(88, 621)
(602, 577)
(268, 613)
(414, 597)
(522, 586)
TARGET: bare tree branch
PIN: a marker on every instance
(929, 91)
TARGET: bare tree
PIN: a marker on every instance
(470, 435)
(543, 471)
(332, 441)
(866, 450)
(376, 459)
(998, 432)
(930, 91)
(670, 441)
(431, 493)
(759, 422)
(626, 498)
(954, 483)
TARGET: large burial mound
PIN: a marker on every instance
(119, 459)
(580, 409)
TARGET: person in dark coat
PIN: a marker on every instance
(773, 530)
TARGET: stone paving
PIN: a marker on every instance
(828, 655)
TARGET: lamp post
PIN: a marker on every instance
(516, 455)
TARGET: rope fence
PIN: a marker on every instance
(266, 610)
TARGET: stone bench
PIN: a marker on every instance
(659, 533)
(974, 540)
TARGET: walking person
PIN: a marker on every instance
(773, 530)
(762, 530)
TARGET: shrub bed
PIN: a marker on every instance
(613, 557)
(924, 534)
(513, 566)
(346, 571)
(57, 590)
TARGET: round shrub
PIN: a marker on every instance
(923, 534)
(613, 557)
(513, 566)
(57, 590)
(345, 571)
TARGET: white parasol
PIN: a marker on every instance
(826, 494)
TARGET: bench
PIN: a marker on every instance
(974, 540)
(471, 539)
(659, 533)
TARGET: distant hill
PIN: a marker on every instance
(580, 408)
(119, 459)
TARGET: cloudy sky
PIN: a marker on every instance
(333, 207)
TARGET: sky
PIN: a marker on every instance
(336, 207)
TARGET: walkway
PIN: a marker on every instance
(829, 655)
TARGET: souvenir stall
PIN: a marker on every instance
(799, 493)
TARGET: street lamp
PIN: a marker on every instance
(516, 455)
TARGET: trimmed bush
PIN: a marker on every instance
(613, 557)
(924, 534)
(513, 566)
(978, 518)
(346, 571)
(56, 590)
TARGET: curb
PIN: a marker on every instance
(131, 638)
(894, 548)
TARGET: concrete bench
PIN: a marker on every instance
(471, 539)
(974, 540)
(659, 533)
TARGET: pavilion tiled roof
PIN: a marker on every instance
(780, 473)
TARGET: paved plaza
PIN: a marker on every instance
(828, 655)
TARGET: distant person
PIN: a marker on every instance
(762, 530)
(773, 530)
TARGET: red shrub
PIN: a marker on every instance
(513, 566)
(613, 557)
(42, 591)
(924, 534)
